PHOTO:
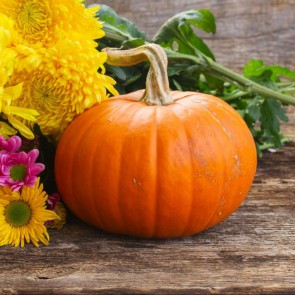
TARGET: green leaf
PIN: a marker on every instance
(178, 69)
(118, 29)
(185, 82)
(177, 85)
(261, 74)
(253, 109)
(255, 68)
(281, 71)
(122, 33)
(214, 83)
(271, 114)
(265, 79)
(178, 30)
(128, 78)
(133, 43)
(179, 34)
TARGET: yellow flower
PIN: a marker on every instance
(57, 61)
(22, 216)
(7, 32)
(48, 21)
(8, 94)
(7, 54)
(63, 85)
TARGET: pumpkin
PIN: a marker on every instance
(155, 163)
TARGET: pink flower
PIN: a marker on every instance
(52, 201)
(11, 145)
(18, 169)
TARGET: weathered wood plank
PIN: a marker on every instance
(251, 252)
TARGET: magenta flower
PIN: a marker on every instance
(11, 145)
(18, 169)
(52, 201)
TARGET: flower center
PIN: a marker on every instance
(18, 213)
(18, 172)
(45, 93)
(33, 18)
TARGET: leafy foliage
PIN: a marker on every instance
(179, 30)
(120, 32)
(258, 95)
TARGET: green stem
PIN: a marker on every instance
(252, 86)
(235, 95)
(286, 84)
(245, 84)
(211, 67)
(289, 89)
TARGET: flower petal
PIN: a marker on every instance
(37, 168)
(24, 130)
(32, 155)
(13, 92)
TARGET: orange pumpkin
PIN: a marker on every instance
(154, 163)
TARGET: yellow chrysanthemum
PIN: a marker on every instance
(64, 83)
(10, 93)
(22, 216)
(7, 54)
(48, 21)
(7, 96)
(7, 32)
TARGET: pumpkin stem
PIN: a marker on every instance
(157, 90)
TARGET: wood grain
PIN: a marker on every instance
(252, 252)
(263, 29)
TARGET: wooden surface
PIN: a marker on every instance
(252, 252)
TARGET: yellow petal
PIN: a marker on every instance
(6, 130)
(28, 114)
(13, 92)
(4, 38)
(22, 128)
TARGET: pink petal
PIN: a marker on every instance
(36, 168)
(3, 180)
(53, 200)
(16, 158)
(22, 157)
(33, 155)
(14, 143)
(30, 181)
(10, 145)
(17, 186)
